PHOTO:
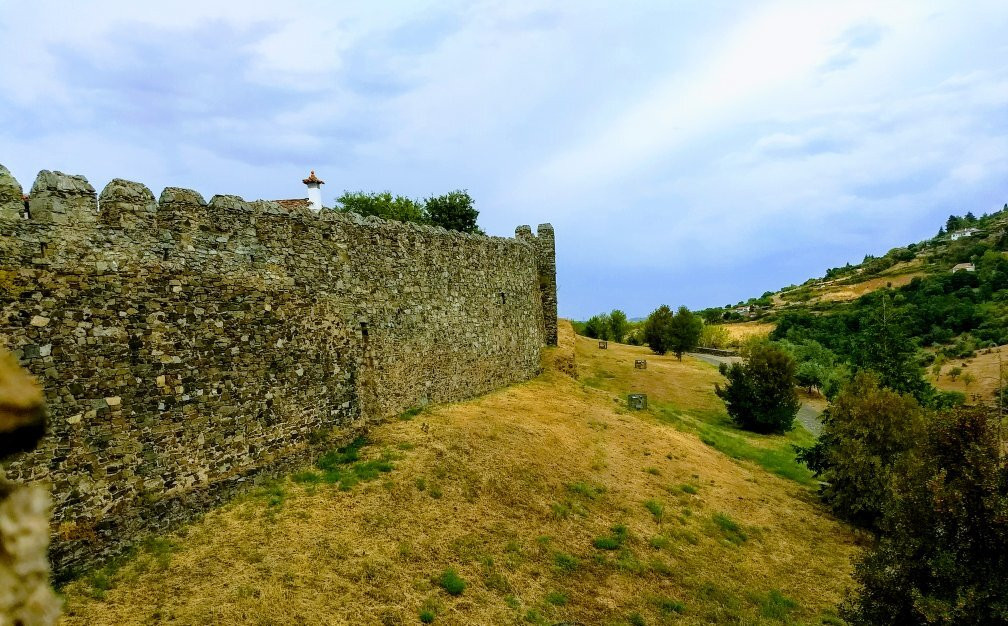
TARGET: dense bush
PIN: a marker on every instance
(866, 431)
(678, 332)
(714, 336)
(943, 551)
(598, 327)
(452, 211)
(760, 393)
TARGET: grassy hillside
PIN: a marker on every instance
(541, 503)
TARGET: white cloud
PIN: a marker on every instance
(654, 136)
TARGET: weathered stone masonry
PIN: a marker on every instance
(185, 347)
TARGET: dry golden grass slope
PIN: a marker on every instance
(550, 500)
(984, 371)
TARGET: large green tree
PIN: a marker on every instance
(867, 430)
(943, 552)
(453, 211)
(760, 394)
(618, 324)
(658, 329)
(598, 327)
(684, 332)
(884, 348)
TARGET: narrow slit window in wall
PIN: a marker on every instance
(42, 248)
(363, 330)
(503, 298)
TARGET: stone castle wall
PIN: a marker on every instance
(185, 347)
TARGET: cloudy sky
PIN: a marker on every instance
(692, 153)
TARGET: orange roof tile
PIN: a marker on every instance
(313, 179)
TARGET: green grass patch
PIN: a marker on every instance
(160, 549)
(775, 605)
(657, 510)
(668, 606)
(409, 414)
(774, 453)
(556, 598)
(307, 478)
(344, 466)
(612, 541)
(730, 529)
(586, 490)
(636, 619)
(450, 581)
(428, 612)
(688, 488)
(565, 562)
(654, 471)
(560, 510)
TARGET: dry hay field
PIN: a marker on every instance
(544, 502)
(983, 367)
(738, 333)
(845, 293)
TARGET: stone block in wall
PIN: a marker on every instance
(11, 196)
(182, 210)
(234, 219)
(25, 595)
(58, 198)
(127, 204)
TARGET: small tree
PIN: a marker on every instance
(618, 324)
(657, 329)
(866, 431)
(598, 327)
(760, 394)
(968, 379)
(943, 552)
(954, 373)
(810, 375)
(684, 332)
(883, 347)
(453, 211)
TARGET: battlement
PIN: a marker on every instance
(186, 347)
(66, 205)
(544, 243)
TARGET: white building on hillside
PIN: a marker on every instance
(966, 232)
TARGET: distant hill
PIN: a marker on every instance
(960, 240)
(947, 297)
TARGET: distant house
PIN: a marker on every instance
(966, 232)
(964, 267)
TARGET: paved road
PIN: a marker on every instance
(808, 415)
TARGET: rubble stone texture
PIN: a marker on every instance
(186, 348)
(25, 596)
